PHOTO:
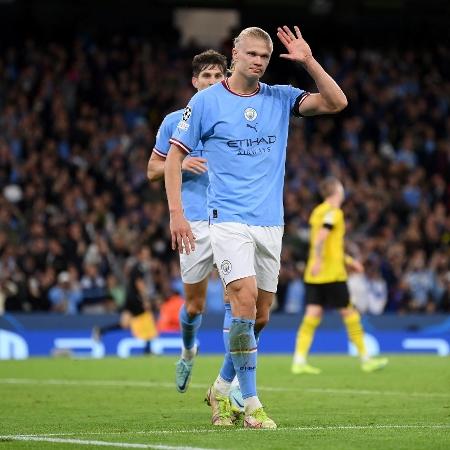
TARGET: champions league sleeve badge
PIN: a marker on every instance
(183, 124)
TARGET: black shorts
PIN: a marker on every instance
(328, 295)
(134, 307)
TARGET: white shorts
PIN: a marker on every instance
(245, 250)
(196, 266)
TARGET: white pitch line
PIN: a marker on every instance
(43, 438)
(153, 384)
(436, 426)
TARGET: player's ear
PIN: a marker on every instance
(194, 82)
(234, 53)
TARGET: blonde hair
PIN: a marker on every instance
(328, 186)
(252, 32)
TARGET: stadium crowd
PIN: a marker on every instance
(78, 124)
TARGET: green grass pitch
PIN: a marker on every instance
(132, 403)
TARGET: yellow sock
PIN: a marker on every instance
(305, 336)
(356, 333)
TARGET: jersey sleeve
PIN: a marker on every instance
(295, 97)
(330, 219)
(163, 136)
(188, 132)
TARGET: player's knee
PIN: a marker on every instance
(314, 311)
(345, 312)
(242, 290)
(195, 306)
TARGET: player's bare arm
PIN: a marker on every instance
(155, 168)
(330, 98)
(180, 229)
(319, 242)
(194, 164)
(353, 264)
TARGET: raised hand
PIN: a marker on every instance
(297, 47)
(194, 164)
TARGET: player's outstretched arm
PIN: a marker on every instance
(330, 98)
(180, 229)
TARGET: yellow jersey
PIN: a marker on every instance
(333, 256)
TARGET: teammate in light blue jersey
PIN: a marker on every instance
(208, 68)
(243, 126)
(195, 176)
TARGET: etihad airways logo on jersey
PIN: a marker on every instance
(249, 143)
(253, 147)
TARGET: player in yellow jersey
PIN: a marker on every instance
(326, 280)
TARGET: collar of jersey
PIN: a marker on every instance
(227, 87)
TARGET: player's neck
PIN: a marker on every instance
(242, 85)
(334, 201)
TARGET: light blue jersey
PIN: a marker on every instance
(244, 139)
(193, 188)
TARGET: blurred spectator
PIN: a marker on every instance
(65, 296)
(169, 312)
(137, 313)
(295, 292)
(419, 281)
(95, 295)
(368, 290)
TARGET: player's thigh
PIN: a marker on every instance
(234, 252)
(337, 295)
(315, 295)
(197, 266)
(267, 256)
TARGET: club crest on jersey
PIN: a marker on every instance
(186, 114)
(250, 114)
(226, 267)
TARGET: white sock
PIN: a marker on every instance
(188, 354)
(299, 359)
(221, 386)
(251, 403)
(235, 383)
(365, 358)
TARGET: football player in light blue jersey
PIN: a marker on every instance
(243, 126)
(208, 68)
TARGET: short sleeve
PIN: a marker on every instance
(295, 96)
(188, 132)
(330, 219)
(163, 136)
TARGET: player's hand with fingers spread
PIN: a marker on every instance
(181, 233)
(194, 164)
(297, 47)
